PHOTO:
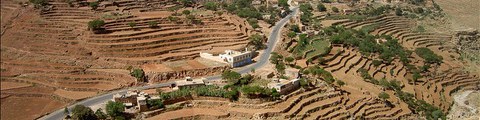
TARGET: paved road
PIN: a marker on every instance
(272, 40)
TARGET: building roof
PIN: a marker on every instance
(192, 82)
(233, 53)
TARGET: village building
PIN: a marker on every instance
(231, 57)
(188, 82)
(134, 99)
(284, 86)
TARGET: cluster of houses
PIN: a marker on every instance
(231, 57)
(134, 100)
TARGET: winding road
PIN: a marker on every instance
(272, 41)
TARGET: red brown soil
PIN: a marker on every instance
(187, 113)
(21, 108)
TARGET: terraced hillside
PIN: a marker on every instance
(51, 57)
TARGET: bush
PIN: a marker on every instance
(81, 112)
(321, 7)
(132, 24)
(100, 114)
(155, 104)
(292, 34)
(283, 3)
(39, 2)
(153, 24)
(398, 12)
(231, 76)
(115, 109)
(139, 74)
(376, 63)
(340, 83)
(335, 9)
(211, 6)
(383, 96)
(93, 5)
(428, 55)
(186, 12)
(257, 41)
(295, 28)
(95, 24)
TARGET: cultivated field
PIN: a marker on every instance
(50, 58)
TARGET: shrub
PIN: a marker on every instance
(153, 24)
(428, 55)
(295, 28)
(93, 5)
(115, 109)
(321, 7)
(383, 96)
(283, 3)
(376, 63)
(95, 24)
(291, 34)
(398, 12)
(231, 76)
(132, 24)
(257, 41)
(100, 114)
(139, 74)
(81, 112)
(340, 83)
(335, 9)
(186, 12)
(39, 2)
(211, 6)
(155, 104)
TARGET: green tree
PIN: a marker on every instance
(186, 12)
(132, 24)
(138, 73)
(295, 28)
(100, 114)
(39, 2)
(115, 109)
(335, 9)
(292, 34)
(153, 24)
(81, 112)
(398, 12)
(93, 5)
(65, 111)
(321, 7)
(187, 3)
(211, 6)
(231, 76)
(384, 96)
(95, 24)
(340, 83)
(289, 59)
(283, 3)
(155, 104)
(257, 41)
(231, 8)
(428, 55)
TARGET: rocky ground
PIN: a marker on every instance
(466, 106)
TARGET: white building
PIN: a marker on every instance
(232, 58)
(284, 86)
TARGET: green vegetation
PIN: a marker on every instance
(211, 6)
(306, 16)
(94, 5)
(321, 7)
(257, 41)
(231, 76)
(138, 73)
(186, 12)
(253, 22)
(95, 24)
(335, 9)
(428, 55)
(278, 60)
(115, 109)
(153, 24)
(292, 34)
(132, 24)
(295, 28)
(283, 3)
(398, 12)
(100, 114)
(155, 104)
(340, 83)
(81, 112)
(39, 2)
(384, 96)
(319, 73)
(259, 92)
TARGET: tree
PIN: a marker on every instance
(283, 3)
(95, 24)
(291, 34)
(384, 96)
(187, 3)
(398, 12)
(81, 112)
(138, 73)
(340, 83)
(155, 104)
(321, 7)
(186, 12)
(153, 24)
(295, 28)
(289, 59)
(257, 41)
(335, 9)
(231, 8)
(115, 109)
(100, 114)
(65, 111)
(39, 2)
(93, 5)
(211, 6)
(428, 55)
(231, 76)
(132, 24)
